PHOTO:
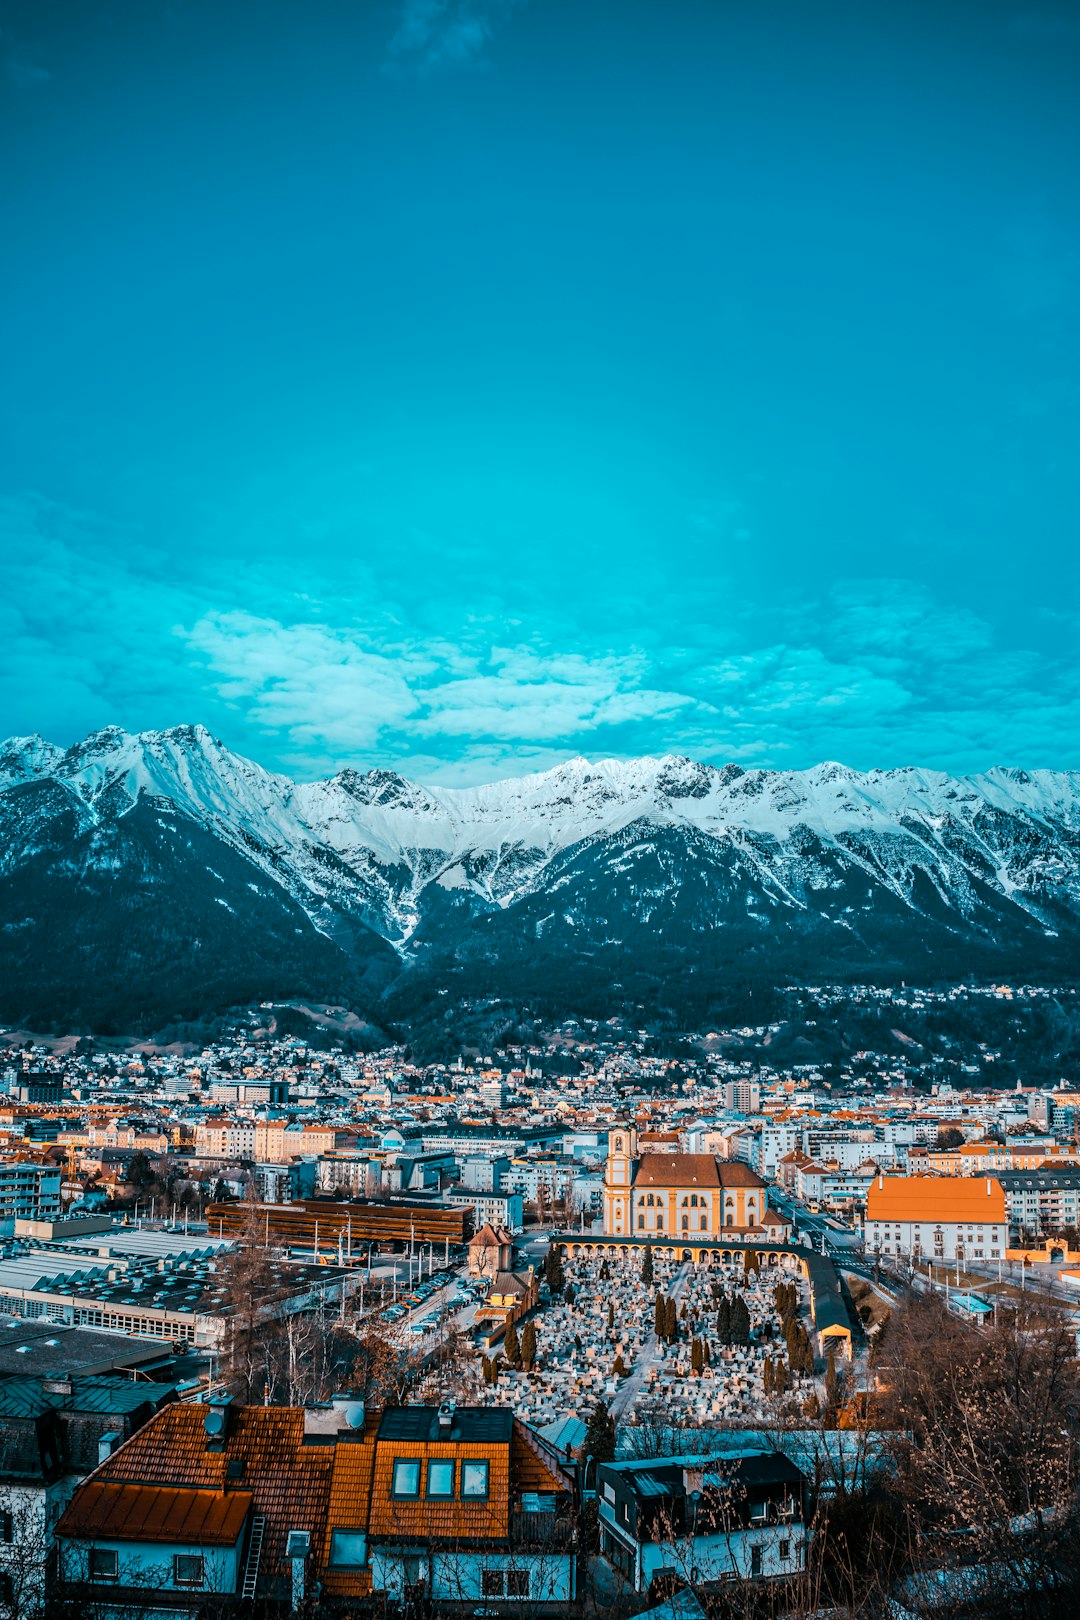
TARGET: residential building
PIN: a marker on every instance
(1041, 1201)
(739, 1517)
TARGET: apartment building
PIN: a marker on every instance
(1041, 1201)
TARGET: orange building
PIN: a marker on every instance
(942, 1218)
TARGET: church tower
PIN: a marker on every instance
(619, 1178)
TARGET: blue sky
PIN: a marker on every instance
(466, 384)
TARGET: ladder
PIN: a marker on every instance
(254, 1553)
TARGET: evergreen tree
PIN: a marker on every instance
(554, 1275)
(740, 1321)
(611, 1314)
(485, 1366)
(660, 1317)
(599, 1442)
(528, 1346)
(767, 1375)
(780, 1379)
(617, 1368)
(647, 1265)
(511, 1347)
(750, 1262)
(706, 1352)
(577, 1342)
(671, 1321)
(723, 1320)
(697, 1360)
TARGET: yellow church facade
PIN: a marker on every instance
(683, 1196)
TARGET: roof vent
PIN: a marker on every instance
(446, 1416)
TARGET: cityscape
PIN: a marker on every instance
(539, 810)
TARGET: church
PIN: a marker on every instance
(683, 1196)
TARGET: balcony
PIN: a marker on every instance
(547, 1532)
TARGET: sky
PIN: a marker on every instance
(463, 385)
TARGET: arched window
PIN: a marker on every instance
(704, 1224)
(693, 1200)
(660, 1220)
(641, 1222)
(649, 1200)
(686, 1223)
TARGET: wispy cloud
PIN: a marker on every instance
(437, 35)
(98, 627)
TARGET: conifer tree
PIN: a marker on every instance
(697, 1360)
(750, 1262)
(647, 1265)
(660, 1317)
(723, 1320)
(780, 1379)
(617, 1367)
(554, 1275)
(706, 1352)
(611, 1314)
(671, 1321)
(599, 1442)
(528, 1346)
(740, 1321)
(511, 1347)
(767, 1375)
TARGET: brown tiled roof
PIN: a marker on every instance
(676, 1170)
(289, 1481)
(156, 1513)
(733, 1173)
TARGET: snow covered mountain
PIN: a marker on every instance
(622, 871)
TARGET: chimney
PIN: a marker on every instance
(296, 1551)
(216, 1422)
(446, 1418)
(107, 1444)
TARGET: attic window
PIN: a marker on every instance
(348, 1549)
(474, 1480)
(234, 1469)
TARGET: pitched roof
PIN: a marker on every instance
(935, 1198)
(676, 1170)
(290, 1481)
(117, 1512)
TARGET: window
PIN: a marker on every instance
(517, 1583)
(187, 1569)
(7, 1528)
(440, 1478)
(474, 1479)
(348, 1549)
(755, 1560)
(491, 1582)
(406, 1476)
(104, 1564)
(641, 1222)
(784, 1551)
(704, 1223)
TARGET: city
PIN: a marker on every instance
(659, 1314)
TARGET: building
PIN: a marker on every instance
(495, 1209)
(733, 1518)
(691, 1195)
(942, 1218)
(511, 1296)
(468, 1506)
(1041, 1201)
(28, 1192)
(276, 1503)
(743, 1096)
(491, 1250)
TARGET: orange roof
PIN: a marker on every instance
(156, 1513)
(935, 1198)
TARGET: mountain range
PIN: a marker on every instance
(153, 877)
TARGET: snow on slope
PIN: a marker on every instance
(373, 841)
